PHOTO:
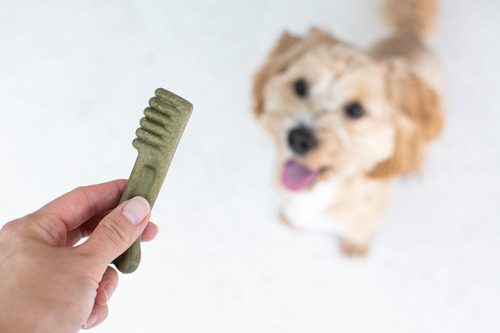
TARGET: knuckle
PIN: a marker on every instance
(115, 230)
(8, 227)
(13, 233)
(79, 189)
(8, 230)
(39, 215)
(45, 224)
(13, 228)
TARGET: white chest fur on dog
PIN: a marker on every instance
(307, 210)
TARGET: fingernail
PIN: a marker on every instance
(109, 289)
(91, 321)
(136, 209)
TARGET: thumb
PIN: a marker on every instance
(117, 231)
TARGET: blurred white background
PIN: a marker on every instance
(75, 77)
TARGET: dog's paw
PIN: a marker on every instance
(352, 249)
(284, 221)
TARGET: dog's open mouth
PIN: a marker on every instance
(297, 177)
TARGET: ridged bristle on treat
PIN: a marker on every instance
(165, 111)
(176, 101)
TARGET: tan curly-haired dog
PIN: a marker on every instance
(346, 122)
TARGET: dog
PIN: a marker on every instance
(346, 122)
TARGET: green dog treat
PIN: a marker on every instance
(157, 138)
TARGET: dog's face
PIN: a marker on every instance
(330, 111)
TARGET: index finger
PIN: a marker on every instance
(81, 204)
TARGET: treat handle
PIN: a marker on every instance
(145, 181)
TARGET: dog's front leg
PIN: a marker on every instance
(355, 246)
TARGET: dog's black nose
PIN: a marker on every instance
(301, 140)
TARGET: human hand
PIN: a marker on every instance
(49, 285)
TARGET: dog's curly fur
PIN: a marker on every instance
(398, 84)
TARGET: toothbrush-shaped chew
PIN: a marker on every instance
(157, 138)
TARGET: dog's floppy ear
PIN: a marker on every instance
(285, 41)
(272, 65)
(418, 119)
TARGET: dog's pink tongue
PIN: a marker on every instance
(297, 177)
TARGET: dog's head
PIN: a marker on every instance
(333, 109)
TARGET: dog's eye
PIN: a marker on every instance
(354, 110)
(301, 88)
